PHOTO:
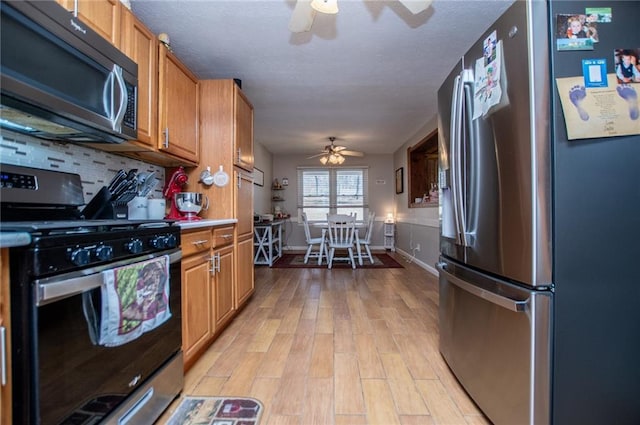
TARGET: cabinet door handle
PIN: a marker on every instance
(227, 236)
(200, 242)
(166, 137)
(215, 264)
(239, 156)
(3, 353)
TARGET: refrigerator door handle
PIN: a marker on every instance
(466, 118)
(513, 305)
(456, 157)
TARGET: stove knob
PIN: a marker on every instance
(104, 252)
(171, 241)
(135, 246)
(81, 257)
(158, 242)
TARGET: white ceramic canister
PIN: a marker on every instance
(157, 208)
(138, 208)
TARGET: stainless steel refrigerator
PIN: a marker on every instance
(540, 232)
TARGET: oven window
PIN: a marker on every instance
(79, 381)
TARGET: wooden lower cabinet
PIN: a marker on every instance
(5, 389)
(196, 304)
(244, 271)
(208, 303)
(223, 287)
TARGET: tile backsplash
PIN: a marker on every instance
(96, 168)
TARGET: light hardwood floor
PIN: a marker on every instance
(341, 346)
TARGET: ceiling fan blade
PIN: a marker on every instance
(339, 148)
(416, 6)
(317, 155)
(351, 153)
(302, 16)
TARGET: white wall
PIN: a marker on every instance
(263, 160)
(416, 225)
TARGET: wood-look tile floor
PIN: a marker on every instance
(341, 346)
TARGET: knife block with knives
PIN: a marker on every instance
(103, 206)
(111, 201)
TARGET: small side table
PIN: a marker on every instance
(389, 235)
(267, 242)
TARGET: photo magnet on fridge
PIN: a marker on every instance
(595, 72)
(598, 14)
(575, 32)
(627, 65)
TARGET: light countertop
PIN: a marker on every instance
(11, 239)
(197, 224)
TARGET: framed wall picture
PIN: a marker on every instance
(258, 177)
(399, 180)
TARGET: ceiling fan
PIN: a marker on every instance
(305, 11)
(333, 154)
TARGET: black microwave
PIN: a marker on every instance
(60, 80)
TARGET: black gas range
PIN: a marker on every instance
(63, 370)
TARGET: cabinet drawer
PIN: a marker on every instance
(194, 242)
(222, 236)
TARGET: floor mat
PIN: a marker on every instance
(380, 261)
(217, 411)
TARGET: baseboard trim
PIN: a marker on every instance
(422, 264)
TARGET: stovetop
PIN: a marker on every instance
(69, 245)
(81, 226)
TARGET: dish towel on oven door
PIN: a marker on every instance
(135, 300)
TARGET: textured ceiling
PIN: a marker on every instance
(367, 75)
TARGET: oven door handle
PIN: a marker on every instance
(59, 287)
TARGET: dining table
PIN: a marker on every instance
(324, 226)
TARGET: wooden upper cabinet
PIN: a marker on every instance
(226, 124)
(141, 45)
(177, 108)
(243, 203)
(103, 16)
(243, 157)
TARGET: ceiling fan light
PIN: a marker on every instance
(340, 159)
(325, 6)
(324, 159)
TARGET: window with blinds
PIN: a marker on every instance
(323, 191)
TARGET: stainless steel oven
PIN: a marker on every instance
(64, 371)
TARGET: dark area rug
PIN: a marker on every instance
(380, 261)
(217, 411)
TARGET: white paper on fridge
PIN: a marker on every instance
(487, 85)
(599, 111)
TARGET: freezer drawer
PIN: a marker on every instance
(495, 337)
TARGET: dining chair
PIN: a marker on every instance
(320, 242)
(341, 230)
(366, 241)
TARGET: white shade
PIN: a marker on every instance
(325, 6)
(332, 159)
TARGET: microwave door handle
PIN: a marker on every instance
(107, 96)
(117, 121)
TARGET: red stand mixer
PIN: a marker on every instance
(176, 182)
